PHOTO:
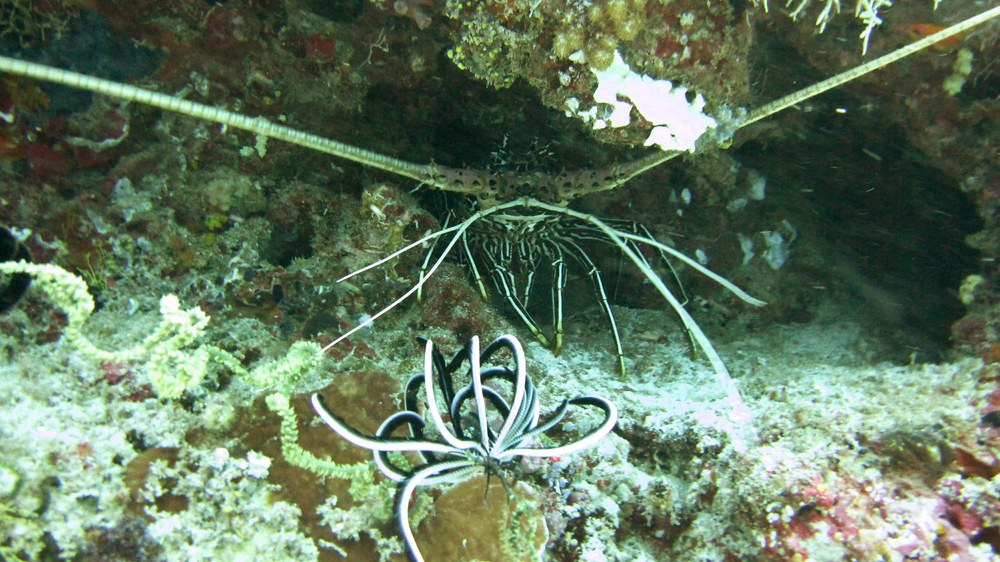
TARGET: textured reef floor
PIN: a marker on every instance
(865, 217)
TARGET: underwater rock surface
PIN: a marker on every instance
(865, 217)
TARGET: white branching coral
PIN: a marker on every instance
(865, 10)
(174, 355)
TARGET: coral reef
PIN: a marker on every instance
(866, 217)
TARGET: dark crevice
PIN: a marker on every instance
(889, 229)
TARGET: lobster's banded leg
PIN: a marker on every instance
(505, 284)
(602, 297)
(641, 230)
(558, 285)
(470, 258)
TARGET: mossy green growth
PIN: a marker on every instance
(359, 474)
(66, 291)
(282, 373)
(215, 221)
(173, 372)
(174, 355)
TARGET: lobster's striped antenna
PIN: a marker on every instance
(471, 182)
(256, 125)
(870, 66)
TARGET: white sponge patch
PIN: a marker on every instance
(677, 123)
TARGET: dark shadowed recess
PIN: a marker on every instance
(884, 231)
(458, 121)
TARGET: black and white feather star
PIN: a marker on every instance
(483, 433)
